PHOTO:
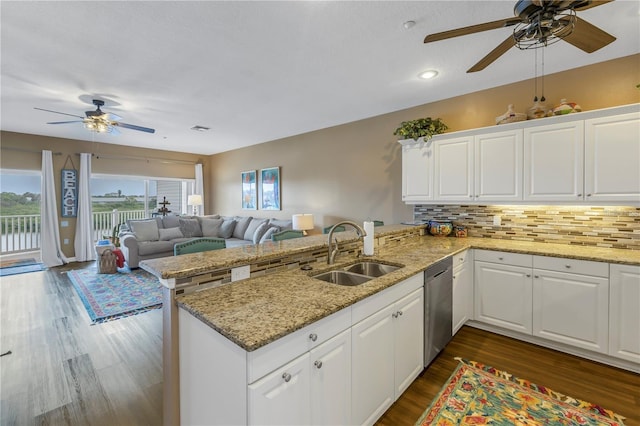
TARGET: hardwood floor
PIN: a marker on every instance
(609, 387)
(63, 371)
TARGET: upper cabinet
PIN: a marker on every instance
(612, 158)
(590, 157)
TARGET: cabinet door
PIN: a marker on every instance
(331, 381)
(571, 309)
(498, 166)
(462, 295)
(503, 295)
(453, 160)
(409, 339)
(553, 162)
(624, 312)
(372, 367)
(283, 396)
(417, 172)
(612, 150)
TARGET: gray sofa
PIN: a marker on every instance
(152, 238)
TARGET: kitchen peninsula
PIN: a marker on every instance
(232, 337)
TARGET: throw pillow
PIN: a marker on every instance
(267, 235)
(281, 224)
(145, 230)
(226, 229)
(170, 234)
(171, 221)
(251, 229)
(260, 230)
(210, 227)
(241, 226)
(190, 228)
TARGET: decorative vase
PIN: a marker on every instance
(566, 108)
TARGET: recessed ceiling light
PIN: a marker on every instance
(428, 74)
(408, 24)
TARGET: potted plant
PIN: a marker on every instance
(420, 128)
(114, 238)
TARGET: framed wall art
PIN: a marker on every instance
(249, 190)
(270, 188)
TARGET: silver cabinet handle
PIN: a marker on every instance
(567, 266)
(318, 364)
(588, 195)
(313, 337)
(579, 195)
(528, 275)
(461, 259)
(286, 377)
(395, 315)
(536, 276)
(454, 277)
(399, 313)
(501, 258)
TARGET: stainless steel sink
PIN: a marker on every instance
(356, 274)
(371, 269)
(342, 278)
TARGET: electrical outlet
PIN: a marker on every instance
(240, 273)
(64, 223)
(65, 241)
(497, 220)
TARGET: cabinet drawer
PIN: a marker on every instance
(574, 266)
(460, 258)
(375, 303)
(275, 354)
(515, 259)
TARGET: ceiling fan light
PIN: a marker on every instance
(428, 74)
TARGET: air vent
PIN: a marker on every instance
(200, 128)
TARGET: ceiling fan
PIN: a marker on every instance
(539, 23)
(99, 121)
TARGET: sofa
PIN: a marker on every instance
(142, 239)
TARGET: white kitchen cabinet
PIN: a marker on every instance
(498, 166)
(417, 171)
(503, 290)
(453, 164)
(571, 302)
(462, 289)
(282, 397)
(387, 349)
(330, 365)
(624, 314)
(612, 157)
(409, 349)
(373, 375)
(554, 162)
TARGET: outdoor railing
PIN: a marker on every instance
(22, 232)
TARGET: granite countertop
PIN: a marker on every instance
(257, 311)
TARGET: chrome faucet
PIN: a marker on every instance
(333, 252)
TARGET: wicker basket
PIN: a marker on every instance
(107, 263)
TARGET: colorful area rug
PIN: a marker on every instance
(477, 394)
(108, 297)
(20, 266)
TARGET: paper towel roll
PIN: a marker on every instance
(368, 239)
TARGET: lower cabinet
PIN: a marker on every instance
(315, 388)
(462, 289)
(503, 290)
(382, 371)
(624, 322)
(571, 307)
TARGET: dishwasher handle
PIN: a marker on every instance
(439, 273)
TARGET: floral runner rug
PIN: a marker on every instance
(108, 297)
(477, 394)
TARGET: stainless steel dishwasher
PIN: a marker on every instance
(438, 307)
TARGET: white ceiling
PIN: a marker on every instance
(256, 71)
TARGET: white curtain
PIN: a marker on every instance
(199, 188)
(84, 244)
(50, 250)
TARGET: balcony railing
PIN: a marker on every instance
(22, 232)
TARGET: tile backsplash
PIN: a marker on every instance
(601, 226)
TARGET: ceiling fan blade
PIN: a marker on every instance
(133, 127)
(58, 112)
(588, 37)
(111, 116)
(471, 29)
(588, 4)
(64, 122)
(500, 50)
